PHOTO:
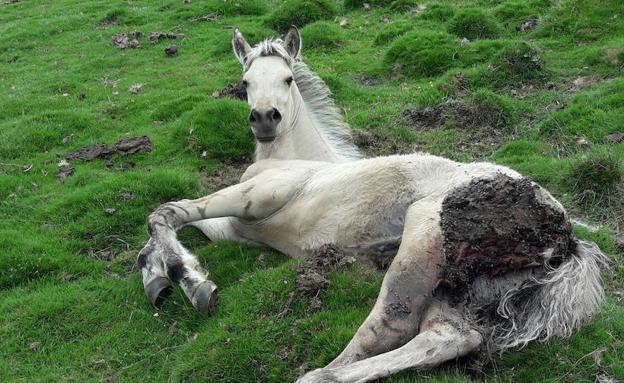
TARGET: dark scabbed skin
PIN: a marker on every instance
(492, 226)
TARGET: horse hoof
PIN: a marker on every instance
(158, 290)
(206, 297)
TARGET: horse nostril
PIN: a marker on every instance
(252, 116)
(277, 117)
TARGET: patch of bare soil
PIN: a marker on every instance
(123, 147)
(223, 176)
(481, 127)
(368, 80)
(374, 144)
(492, 226)
(529, 24)
(456, 86)
(235, 91)
(569, 87)
(311, 280)
(108, 22)
(127, 40)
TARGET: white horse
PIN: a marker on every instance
(485, 259)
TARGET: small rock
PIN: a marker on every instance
(155, 37)
(171, 50)
(64, 170)
(311, 283)
(344, 23)
(110, 210)
(204, 154)
(615, 138)
(366, 6)
(582, 142)
(464, 41)
(33, 346)
(135, 89)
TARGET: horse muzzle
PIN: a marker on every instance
(264, 123)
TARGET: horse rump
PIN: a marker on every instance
(514, 266)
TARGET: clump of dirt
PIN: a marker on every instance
(123, 147)
(155, 37)
(235, 91)
(492, 226)
(311, 280)
(90, 153)
(171, 50)
(127, 40)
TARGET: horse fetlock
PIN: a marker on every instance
(164, 217)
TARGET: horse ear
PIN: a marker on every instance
(240, 46)
(292, 42)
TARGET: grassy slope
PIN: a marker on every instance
(67, 316)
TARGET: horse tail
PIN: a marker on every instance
(559, 302)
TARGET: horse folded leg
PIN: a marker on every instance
(406, 289)
(164, 259)
(444, 337)
(161, 265)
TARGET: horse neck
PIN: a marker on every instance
(301, 138)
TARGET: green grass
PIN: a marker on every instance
(72, 307)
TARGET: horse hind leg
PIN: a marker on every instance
(406, 289)
(444, 336)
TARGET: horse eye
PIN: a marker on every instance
(289, 80)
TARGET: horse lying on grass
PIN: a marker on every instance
(485, 260)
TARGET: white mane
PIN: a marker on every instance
(317, 98)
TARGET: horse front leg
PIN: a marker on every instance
(164, 260)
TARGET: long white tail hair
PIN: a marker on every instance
(555, 304)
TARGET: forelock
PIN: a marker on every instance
(268, 47)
